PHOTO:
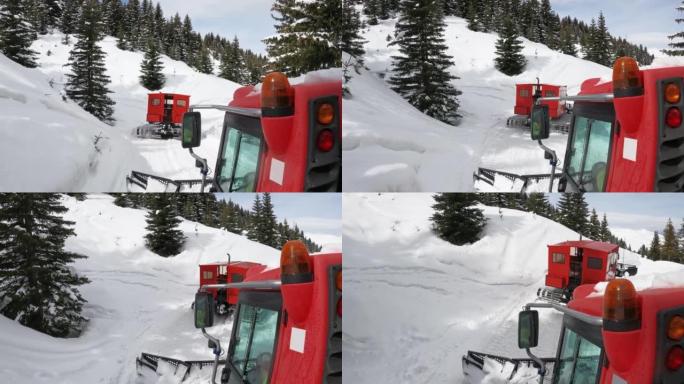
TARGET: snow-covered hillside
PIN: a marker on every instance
(47, 143)
(421, 303)
(390, 146)
(137, 300)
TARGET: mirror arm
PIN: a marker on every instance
(554, 162)
(217, 353)
(204, 168)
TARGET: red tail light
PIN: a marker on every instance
(325, 141)
(675, 358)
(673, 117)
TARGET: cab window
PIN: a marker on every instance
(255, 338)
(579, 360)
(241, 149)
(588, 164)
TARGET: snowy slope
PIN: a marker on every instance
(421, 303)
(165, 158)
(137, 301)
(389, 146)
(47, 144)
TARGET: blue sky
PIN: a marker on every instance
(319, 215)
(249, 20)
(645, 22)
(636, 210)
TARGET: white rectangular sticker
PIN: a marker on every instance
(297, 339)
(629, 149)
(277, 171)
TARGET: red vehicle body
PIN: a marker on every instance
(167, 108)
(282, 138)
(222, 273)
(631, 140)
(640, 338)
(524, 98)
(298, 325)
(573, 263)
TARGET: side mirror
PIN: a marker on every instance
(528, 329)
(204, 310)
(539, 122)
(192, 130)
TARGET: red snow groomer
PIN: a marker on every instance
(287, 325)
(618, 337)
(626, 135)
(164, 115)
(276, 137)
(573, 263)
(525, 98)
(224, 273)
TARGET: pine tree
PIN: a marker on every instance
(509, 59)
(268, 223)
(421, 73)
(654, 250)
(605, 232)
(255, 224)
(204, 63)
(680, 238)
(87, 84)
(538, 203)
(16, 33)
(163, 236)
(677, 39)
(643, 251)
(573, 211)
(38, 287)
(599, 43)
(567, 42)
(307, 38)
(352, 43)
(456, 218)
(594, 228)
(151, 68)
(670, 247)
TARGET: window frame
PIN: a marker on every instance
(244, 124)
(585, 331)
(562, 258)
(594, 259)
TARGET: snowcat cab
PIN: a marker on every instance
(573, 263)
(164, 115)
(525, 98)
(223, 273)
(626, 135)
(276, 137)
(622, 336)
(287, 325)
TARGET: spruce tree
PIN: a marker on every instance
(163, 236)
(38, 286)
(567, 42)
(352, 43)
(268, 223)
(421, 71)
(151, 68)
(253, 233)
(670, 247)
(605, 231)
(204, 63)
(87, 82)
(16, 33)
(538, 203)
(677, 39)
(654, 250)
(680, 238)
(456, 218)
(594, 229)
(509, 59)
(573, 211)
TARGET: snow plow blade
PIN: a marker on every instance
(553, 295)
(151, 368)
(477, 366)
(626, 270)
(158, 131)
(506, 181)
(143, 182)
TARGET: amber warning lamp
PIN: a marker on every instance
(621, 307)
(627, 78)
(277, 96)
(295, 263)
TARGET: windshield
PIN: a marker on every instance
(587, 165)
(238, 164)
(254, 342)
(579, 360)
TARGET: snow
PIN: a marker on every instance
(137, 301)
(390, 146)
(51, 140)
(421, 303)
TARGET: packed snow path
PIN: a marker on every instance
(137, 300)
(421, 303)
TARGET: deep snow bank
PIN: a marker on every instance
(388, 147)
(420, 303)
(137, 301)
